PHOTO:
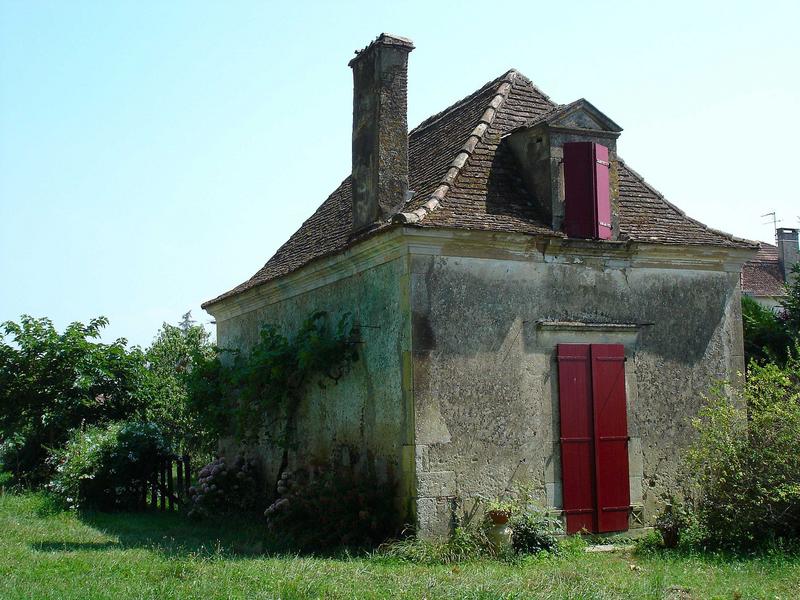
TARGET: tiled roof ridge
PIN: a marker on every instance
(702, 225)
(434, 200)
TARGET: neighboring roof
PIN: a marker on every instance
(763, 276)
(463, 177)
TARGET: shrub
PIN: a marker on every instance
(225, 486)
(105, 467)
(534, 531)
(747, 465)
(325, 508)
(678, 525)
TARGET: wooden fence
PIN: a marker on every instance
(167, 488)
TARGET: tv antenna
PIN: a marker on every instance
(775, 220)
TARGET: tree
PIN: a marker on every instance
(791, 304)
(53, 382)
(174, 355)
(766, 337)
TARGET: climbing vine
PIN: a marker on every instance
(264, 387)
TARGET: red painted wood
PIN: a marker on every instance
(587, 191)
(602, 192)
(577, 437)
(579, 196)
(610, 437)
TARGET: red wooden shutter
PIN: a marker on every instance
(587, 195)
(611, 436)
(602, 193)
(579, 190)
(577, 438)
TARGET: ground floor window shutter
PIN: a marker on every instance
(577, 437)
(594, 437)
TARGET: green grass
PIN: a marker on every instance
(47, 553)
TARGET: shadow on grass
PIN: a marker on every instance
(241, 536)
(74, 546)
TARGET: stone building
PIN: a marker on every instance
(764, 278)
(533, 312)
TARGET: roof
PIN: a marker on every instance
(464, 177)
(763, 276)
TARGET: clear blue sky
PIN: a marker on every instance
(155, 154)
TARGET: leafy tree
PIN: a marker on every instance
(791, 304)
(172, 359)
(53, 382)
(766, 337)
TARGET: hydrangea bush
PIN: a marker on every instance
(225, 486)
(324, 508)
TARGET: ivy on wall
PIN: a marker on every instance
(260, 392)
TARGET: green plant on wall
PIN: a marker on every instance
(261, 390)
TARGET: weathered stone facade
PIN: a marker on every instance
(456, 394)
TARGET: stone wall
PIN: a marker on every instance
(361, 420)
(485, 377)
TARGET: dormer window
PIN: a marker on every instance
(587, 197)
(568, 161)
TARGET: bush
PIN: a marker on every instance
(678, 525)
(534, 531)
(747, 465)
(325, 508)
(105, 467)
(225, 486)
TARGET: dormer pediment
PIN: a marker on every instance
(580, 115)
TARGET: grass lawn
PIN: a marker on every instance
(45, 553)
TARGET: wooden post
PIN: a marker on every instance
(180, 493)
(162, 485)
(188, 474)
(170, 489)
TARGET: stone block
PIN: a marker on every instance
(636, 490)
(554, 494)
(437, 484)
(552, 464)
(635, 457)
(434, 516)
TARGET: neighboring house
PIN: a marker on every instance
(764, 278)
(532, 311)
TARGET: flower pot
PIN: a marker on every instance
(498, 517)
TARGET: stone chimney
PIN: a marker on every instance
(380, 130)
(788, 252)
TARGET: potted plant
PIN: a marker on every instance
(499, 511)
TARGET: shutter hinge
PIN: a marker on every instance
(604, 162)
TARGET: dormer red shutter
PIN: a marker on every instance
(587, 195)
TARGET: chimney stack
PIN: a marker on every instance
(380, 130)
(788, 252)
